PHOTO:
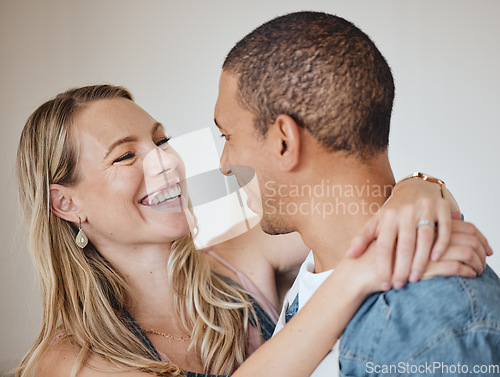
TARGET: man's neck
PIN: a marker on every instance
(345, 199)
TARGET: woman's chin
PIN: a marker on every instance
(186, 216)
(176, 216)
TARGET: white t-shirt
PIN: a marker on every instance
(306, 283)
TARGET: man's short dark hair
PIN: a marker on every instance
(322, 71)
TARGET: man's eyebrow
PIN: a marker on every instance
(129, 139)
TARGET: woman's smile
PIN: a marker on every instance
(165, 194)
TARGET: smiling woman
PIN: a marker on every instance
(92, 157)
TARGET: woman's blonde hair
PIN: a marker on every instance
(83, 296)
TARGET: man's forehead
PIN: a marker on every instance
(228, 89)
(229, 80)
(220, 106)
(228, 111)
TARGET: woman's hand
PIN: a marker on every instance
(465, 255)
(397, 231)
(360, 272)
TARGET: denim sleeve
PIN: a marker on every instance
(471, 345)
(469, 351)
(447, 326)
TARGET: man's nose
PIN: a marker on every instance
(225, 169)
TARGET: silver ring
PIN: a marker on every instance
(426, 222)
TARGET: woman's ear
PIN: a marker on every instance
(61, 203)
(287, 142)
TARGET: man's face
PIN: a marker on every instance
(244, 148)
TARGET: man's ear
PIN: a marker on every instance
(62, 205)
(287, 138)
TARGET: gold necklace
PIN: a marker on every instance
(165, 335)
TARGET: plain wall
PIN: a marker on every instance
(444, 56)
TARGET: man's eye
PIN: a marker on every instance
(163, 141)
(124, 157)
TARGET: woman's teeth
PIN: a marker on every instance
(166, 195)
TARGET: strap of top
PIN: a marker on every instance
(247, 285)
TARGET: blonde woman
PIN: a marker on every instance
(124, 290)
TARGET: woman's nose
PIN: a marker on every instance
(159, 161)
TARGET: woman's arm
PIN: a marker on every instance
(300, 346)
(271, 262)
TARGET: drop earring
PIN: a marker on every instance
(81, 238)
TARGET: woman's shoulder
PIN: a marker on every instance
(60, 357)
(271, 262)
(250, 246)
(245, 248)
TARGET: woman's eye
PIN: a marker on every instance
(163, 141)
(124, 157)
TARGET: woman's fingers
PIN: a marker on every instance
(363, 238)
(467, 252)
(443, 222)
(448, 268)
(387, 235)
(405, 249)
(466, 255)
(417, 230)
(418, 233)
(407, 239)
(467, 248)
(434, 227)
(425, 238)
(469, 228)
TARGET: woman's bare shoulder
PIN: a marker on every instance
(58, 358)
(61, 355)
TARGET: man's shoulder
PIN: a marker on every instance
(407, 324)
(442, 300)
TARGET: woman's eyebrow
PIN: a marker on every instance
(129, 139)
(124, 140)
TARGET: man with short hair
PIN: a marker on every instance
(306, 100)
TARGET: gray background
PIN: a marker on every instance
(444, 55)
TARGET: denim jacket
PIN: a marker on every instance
(443, 326)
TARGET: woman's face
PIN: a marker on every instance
(131, 188)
